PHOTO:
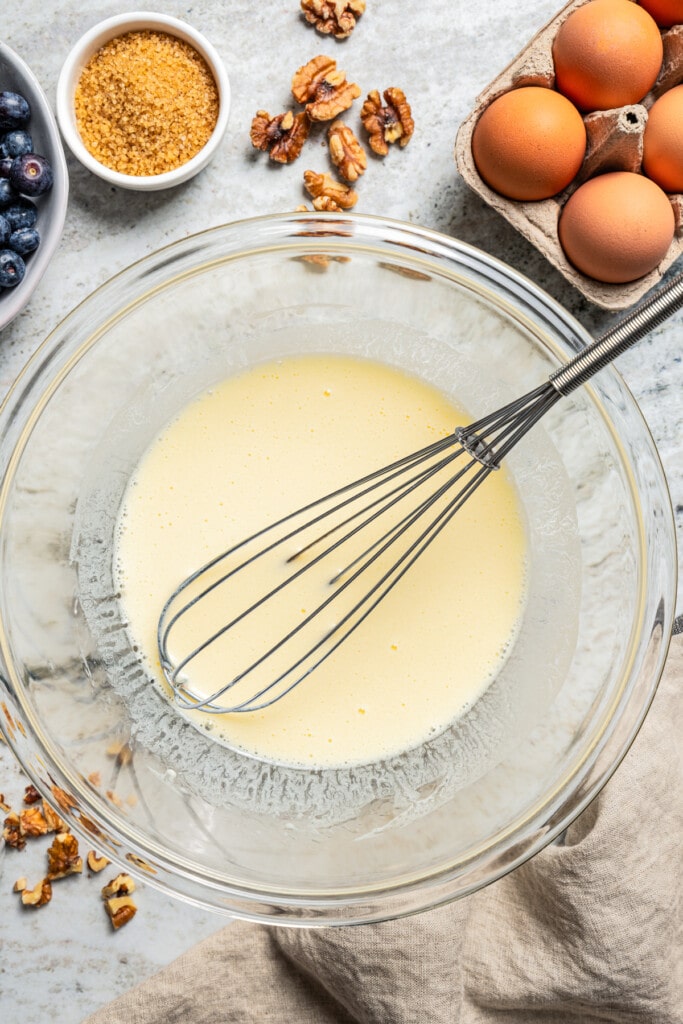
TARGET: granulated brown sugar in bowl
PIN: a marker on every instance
(146, 103)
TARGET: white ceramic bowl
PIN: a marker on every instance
(15, 76)
(79, 56)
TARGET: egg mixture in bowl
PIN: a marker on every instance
(229, 379)
(267, 441)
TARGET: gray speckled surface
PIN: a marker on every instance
(65, 957)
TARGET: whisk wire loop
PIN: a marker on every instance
(347, 623)
(482, 441)
(308, 540)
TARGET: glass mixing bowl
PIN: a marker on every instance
(316, 847)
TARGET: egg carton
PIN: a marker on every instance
(614, 143)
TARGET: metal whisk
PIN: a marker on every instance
(339, 556)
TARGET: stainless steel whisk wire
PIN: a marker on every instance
(486, 441)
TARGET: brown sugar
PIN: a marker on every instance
(146, 103)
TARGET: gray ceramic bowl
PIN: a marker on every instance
(17, 77)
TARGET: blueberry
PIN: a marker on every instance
(24, 240)
(5, 164)
(5, 231)
(16, 143)
(8, 193)
(12, 268)
(22, 213)
(31, 174)
(14, 111)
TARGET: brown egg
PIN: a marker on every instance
(663, 141)
(529, 143)
(665, 12)
(617, 227)
(607, 54)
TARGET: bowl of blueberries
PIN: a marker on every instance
(34, 184)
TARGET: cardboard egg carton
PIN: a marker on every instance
(614, 143)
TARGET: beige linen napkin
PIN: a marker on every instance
(588, 931)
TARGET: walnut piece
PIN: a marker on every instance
(320, 261)
(323, 89)
(121, 910)
(387, 124)
(12, 833)
(346, 152)
(333, 17)
(3, 806)
(96, 863)
(32, 822)
(283, 135)
(91, 827)
(31, 795)
(141, 863)
(122, 885)
(39, 896)
(64, 800)
(11, 727)
(63, 858)
(328, 194)
(20, 885)
(53, 821)
(116, 895)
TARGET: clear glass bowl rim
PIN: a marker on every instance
(520, 298)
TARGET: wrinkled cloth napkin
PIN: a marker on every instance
(591, 930)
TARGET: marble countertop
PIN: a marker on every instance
(65, 960)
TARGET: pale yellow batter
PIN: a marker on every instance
(270, 440)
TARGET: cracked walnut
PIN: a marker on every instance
(323, 89)
(32, 822)
(346, 152)
(329, 194)
(333, 17)
(63, 858)
(387, 124)
(12, 833)
(284, 135)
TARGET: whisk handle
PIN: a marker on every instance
(630, 329)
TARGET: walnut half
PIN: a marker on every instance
(333, 17)
(346, 152)
(323, 89)
(283, 135)
(387, 124)
(328, 194)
